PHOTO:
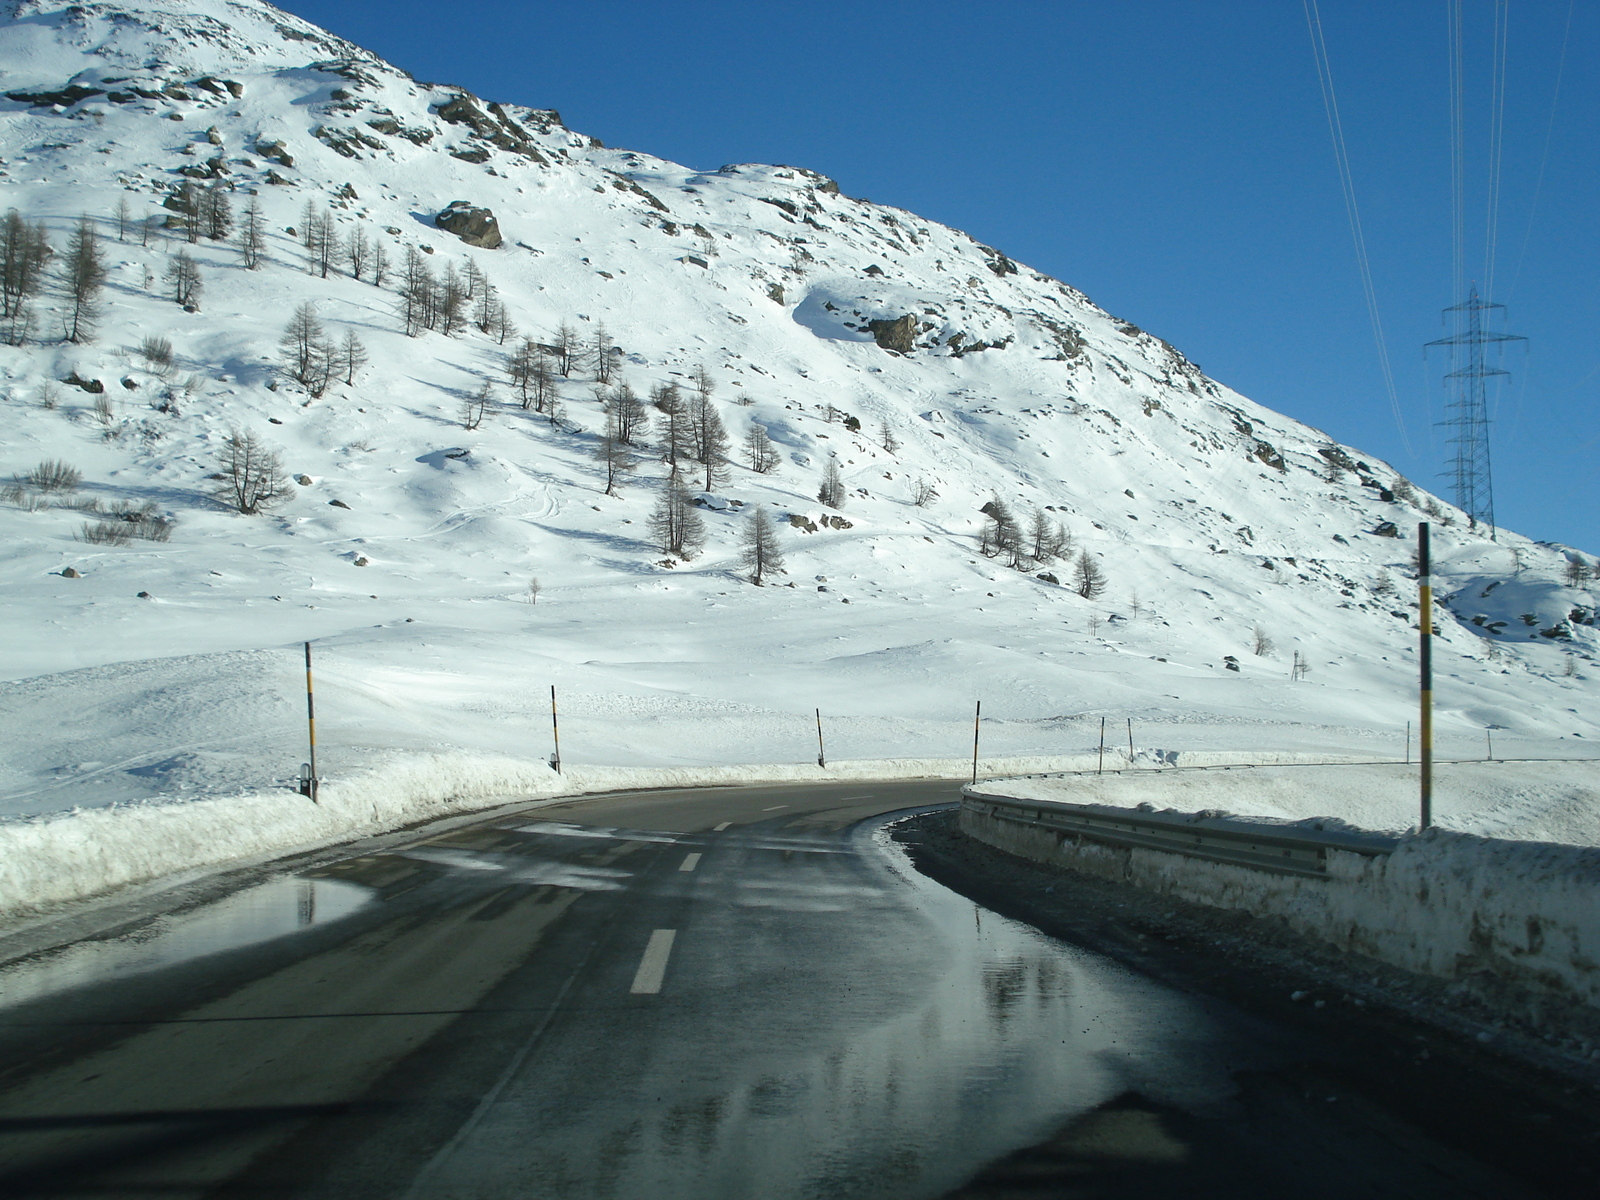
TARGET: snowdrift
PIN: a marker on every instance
(65, 857)
(1518, 922)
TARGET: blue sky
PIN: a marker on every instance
(1171, 159)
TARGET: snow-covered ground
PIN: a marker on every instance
(169, 671)
(1527, 801)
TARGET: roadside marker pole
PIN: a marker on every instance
(1425, 663)
(977, 715)
(1101, 765)
(822, 753)
(1130, 742)
(308, 785)
(1488, 735)
(1408, 743)
(555, 733)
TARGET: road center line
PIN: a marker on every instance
(720, 828)
(690, 862)
(653, 966)
(775, 808)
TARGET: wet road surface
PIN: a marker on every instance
(739, 992)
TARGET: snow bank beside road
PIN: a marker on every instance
(1535, 801)
(1517, 922)
(53, 860)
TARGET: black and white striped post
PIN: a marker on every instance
(1425, 664)
(822, 753)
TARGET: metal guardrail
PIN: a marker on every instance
(1282, 849)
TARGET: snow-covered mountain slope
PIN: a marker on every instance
(915, 358)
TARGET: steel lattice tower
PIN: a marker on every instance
(1469, 410)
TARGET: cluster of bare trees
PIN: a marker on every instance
(320, 236)
(194, 211)
(533, 366)
(1039, 540)
(692, 433)
(83, 278)
(533, 377)
(675, 525)
(445, 302)
(313, 359)
(252, 478)
(1005, 536)
(761, 456)
(677, 529)
(24, 253)
(183, 277)
(572, 354)
(831, 492)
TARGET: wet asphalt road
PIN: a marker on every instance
(718, 993)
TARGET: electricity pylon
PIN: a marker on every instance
(1469, 410)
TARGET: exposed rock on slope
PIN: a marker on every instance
(474, 226)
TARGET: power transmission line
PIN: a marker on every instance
(1458, 157)
(1497, 126)
(1544, 158)
(1330, 104)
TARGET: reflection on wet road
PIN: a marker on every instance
(255, 914)
(729, 993)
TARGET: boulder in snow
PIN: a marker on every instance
(899, 335)
(474, 226)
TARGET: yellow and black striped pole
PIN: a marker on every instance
(311, 732)
(1425, 662)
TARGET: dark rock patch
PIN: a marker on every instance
(474, 226)
(899, 335)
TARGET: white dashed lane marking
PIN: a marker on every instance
(775, 808)
(720, 828)
(689, 863)
(653, 966)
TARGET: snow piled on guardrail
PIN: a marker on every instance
(1506, 918)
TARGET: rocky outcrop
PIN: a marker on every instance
(474, 226)
(65, 98)
(500, 129)
(899, 335)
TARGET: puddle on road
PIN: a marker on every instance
(258, 914)
(595, 832)
(514, 868)
(841, 1026)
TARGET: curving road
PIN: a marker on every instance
(741, 992)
